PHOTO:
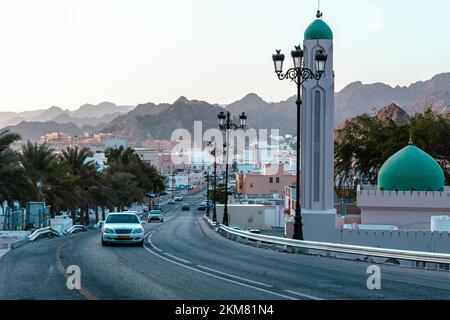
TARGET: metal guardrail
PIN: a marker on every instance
(432, 257)
(42, 231)
(76, 227)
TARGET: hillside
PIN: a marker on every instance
(358, 98)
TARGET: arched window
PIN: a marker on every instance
(317, 121)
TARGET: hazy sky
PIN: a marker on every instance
(70, 52)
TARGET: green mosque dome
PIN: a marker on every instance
(411, 169)
(318, 30)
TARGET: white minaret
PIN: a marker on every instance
(317, 126)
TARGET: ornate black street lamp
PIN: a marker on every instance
(299, 74)
(207, 177)
(226, 124)
(213, 153)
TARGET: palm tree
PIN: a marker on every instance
(125, 189)
(86, 178)
(12, 179)
(38, 162)
(48, 180)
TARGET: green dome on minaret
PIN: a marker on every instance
(411, 169)
(318, 30)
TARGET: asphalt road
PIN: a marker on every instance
(184, 259)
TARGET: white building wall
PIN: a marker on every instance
(251, 216)
(408, 210)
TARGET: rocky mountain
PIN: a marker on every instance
(159, 121)
(86, 121)
(393, 112)
(48, 114)
(86, 115)
(358, 98)
(390, 112)
(34, 130)
(99, 110)
(265, 115)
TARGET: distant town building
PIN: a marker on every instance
(149, 156)
(57, 138)
(160, 145)
(268, 182)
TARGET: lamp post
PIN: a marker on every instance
(207, 193)
(226, 124)
(213, 152)
(299, 74)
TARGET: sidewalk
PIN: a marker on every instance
(5, 242)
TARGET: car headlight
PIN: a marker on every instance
(138, 230)
(108, 230)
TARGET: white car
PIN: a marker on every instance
(178, 198)
(122, 227)
(155, 215)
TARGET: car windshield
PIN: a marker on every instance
(122, 218)
(155, 212)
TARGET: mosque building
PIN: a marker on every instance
(409, 193)
(408, 209)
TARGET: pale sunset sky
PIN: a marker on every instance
(69, 52)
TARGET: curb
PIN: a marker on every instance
(17, 244)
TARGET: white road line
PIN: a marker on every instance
(221, 278)
(3, 252)
(172, 256)
(302, 295)
(156, 248)
(236, 277)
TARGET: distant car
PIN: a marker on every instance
(201, 207)
(179, 198)
(185, 207)
(155, 215)
(171, 201)
(157, 207)
(255, 231)
(123, 227)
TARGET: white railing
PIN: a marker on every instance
(76, 227)
(338, 248)
(42, 231)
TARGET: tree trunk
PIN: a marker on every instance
(73, 213)
(86, 217)
(96, 214)
(52, 212)
(103, 213)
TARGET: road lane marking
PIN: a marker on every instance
(3, 252)
(172, 256)
(156, 248)
(302, 295)
(221, 278)
(61, 268)
(236, 277)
